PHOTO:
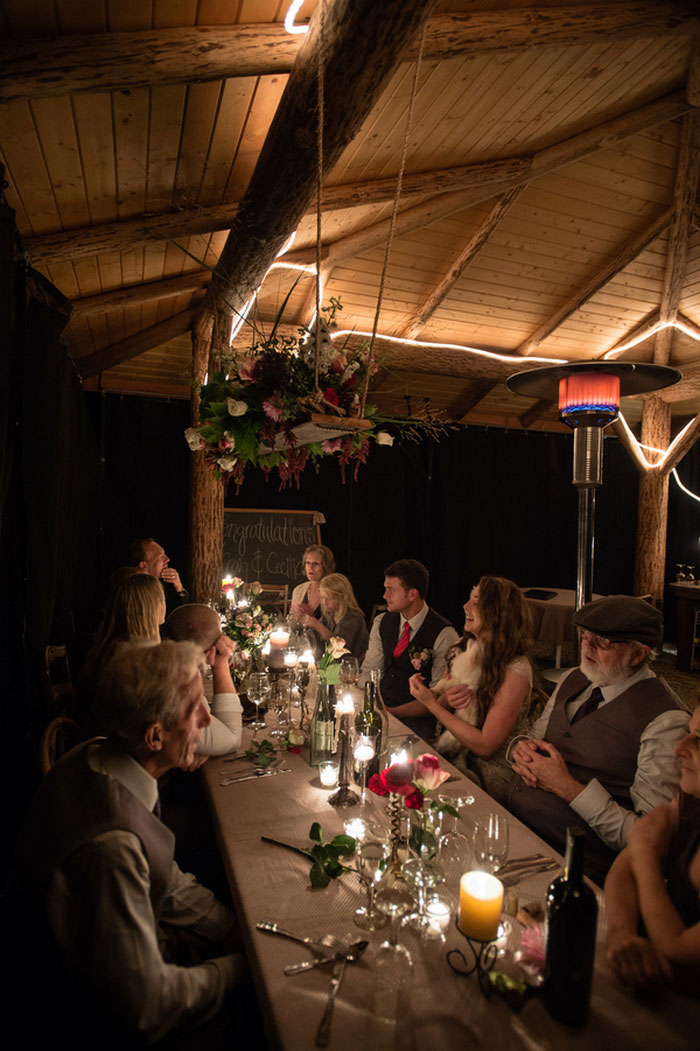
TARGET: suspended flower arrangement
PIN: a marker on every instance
(268, 411)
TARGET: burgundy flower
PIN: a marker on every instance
(376, 785)
(414, 801)
(295, 749)
(398, 778)
(331, 395)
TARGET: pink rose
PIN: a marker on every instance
(339, 363)
(332, 445)
(246, 369)
(428, 772)
(417, 663)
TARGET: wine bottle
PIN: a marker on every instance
(322, 725)
(572, 911)
(373, 713)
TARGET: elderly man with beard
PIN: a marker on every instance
(602, 753)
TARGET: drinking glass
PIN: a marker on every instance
(258, 690)
(491, 842)
(455, 847)
(394, 900)
(279, 696)
(349, 670)
(372, 858)
(364, 751)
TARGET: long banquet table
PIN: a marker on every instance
(440, 1008)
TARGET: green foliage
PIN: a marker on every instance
(325, 857)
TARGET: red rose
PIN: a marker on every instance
(295, 749)
(415, 800)
(398, 778)
(376, 785)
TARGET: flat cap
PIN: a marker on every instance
(622, 618)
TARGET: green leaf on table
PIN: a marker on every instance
(331, 852)
(315, 833)
(345, 845)
(334, 869)
(318, 876)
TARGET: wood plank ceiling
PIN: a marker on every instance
(549, 207)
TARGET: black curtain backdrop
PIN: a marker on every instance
(483, 500)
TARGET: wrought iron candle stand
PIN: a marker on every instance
(485, 954)
(343, 795)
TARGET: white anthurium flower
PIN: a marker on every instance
(194, 438)
(236, 408)
(227, 463)
(384, 438)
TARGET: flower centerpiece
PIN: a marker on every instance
(249, 627)
(328, 667)
(252, 412)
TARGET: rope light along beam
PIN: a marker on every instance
(292, 12)
(648, 334)
(644, 463)
(508, 358)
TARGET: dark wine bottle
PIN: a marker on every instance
(572, 911)
(373, 713)
(322, 725)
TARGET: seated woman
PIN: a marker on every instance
(652, 892)
(318, 562)
(341, 615)
(491, 698)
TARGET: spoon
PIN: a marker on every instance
(350, 952)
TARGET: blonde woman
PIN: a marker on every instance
(317, 562)
(341, 616)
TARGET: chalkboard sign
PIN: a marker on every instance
(268, 545)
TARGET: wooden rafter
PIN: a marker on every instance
(535, 412)
(132, 295)
(112, 61)
(639, 332)
(684, 196)
(274, 202)
(137, 344)
(468, 398)
(468, 253)
(622, 258)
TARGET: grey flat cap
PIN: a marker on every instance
(622, 618)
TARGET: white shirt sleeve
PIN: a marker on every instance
(445, 640)
(374, 658)
(224, 731)
(655, 782)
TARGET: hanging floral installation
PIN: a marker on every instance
(266, 408)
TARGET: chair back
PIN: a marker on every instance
(275, 597)
(57, 739)
(58, 684)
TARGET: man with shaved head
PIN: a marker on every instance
(200, 624)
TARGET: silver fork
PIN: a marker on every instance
(323, 1033)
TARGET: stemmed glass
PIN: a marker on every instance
(394, 900)
(258, 690)
(491, 842)
(454, 845)
(279, 696)
(364, 751)
(372, 858)
(349, 670)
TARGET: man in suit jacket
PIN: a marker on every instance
(602, 753)
(409, 637)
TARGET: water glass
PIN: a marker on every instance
(491, 842)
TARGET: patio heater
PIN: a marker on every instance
(589, 399)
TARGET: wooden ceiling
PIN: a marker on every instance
(548, 209)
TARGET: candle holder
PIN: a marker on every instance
(485, 954)
(344, 796)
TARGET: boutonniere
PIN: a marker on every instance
(420, 658)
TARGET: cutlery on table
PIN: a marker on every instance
(516, 863)
(350, 952)
(323, 1033)
(236, 780)
(321, 946)
(510, 880)
(233, 758)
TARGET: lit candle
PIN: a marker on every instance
(229, 596)
(364, 752)
(480, 898)
(328, 773)
(398, 757)
(279, 638)
(438, 916)
(307, 657)
(345, 706)
(290, 659)
(356, 828)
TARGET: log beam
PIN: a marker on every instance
(536, 411)
(206, 503)
(281, 191)
(622, 258)
(69, 65)
(652, 514)
(680, 445)
(469, 252)
(685, 193)
(137, 344)
(639, 332)
(468, 398)
(133, 295)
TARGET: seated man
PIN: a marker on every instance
(201, 625)
(96, 870)
(602, 753)
(409, 637)
(148, 556)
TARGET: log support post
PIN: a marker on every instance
(206, 506)
(652, 514)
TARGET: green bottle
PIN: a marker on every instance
(322, 725)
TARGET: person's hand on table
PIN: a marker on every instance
(541, 765)
(171, 576)
(635, 961)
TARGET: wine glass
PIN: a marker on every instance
(258, 690)
(372, 858)
(349, 670)
(690, 574)
(364, 752)
(455, 847)
(491, 842)
(278, 703)
(393, 899)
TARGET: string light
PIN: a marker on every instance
(291, 15)
(641, 459)
(450, 346)
(658, 327)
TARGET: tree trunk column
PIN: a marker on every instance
(652, 514)
(206, 507)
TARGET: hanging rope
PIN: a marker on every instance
(392, 224)
(319, 185)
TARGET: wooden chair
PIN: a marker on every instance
(57, 739)
(276, 597)
(57, 680)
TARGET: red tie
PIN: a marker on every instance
(402, 644)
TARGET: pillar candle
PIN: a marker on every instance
(480, 898)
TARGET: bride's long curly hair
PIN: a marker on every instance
(504, 635)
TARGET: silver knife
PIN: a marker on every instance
(516, 877)
(254, 777)
(323, 1033)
